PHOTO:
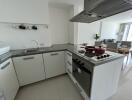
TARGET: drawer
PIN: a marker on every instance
(69, 56)
(69, 66)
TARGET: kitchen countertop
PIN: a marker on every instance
(55, 48)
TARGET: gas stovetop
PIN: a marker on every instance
(94, 57)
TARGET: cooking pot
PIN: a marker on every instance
(90, 49)
(99, 51)
(95, 50)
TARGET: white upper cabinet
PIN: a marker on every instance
(54, 64)
(29, 69)
(24, 11)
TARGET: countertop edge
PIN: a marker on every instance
(55, 48)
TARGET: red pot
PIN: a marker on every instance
(93, 50)
(99, 51)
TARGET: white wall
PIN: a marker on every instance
(59, 24)
(73, 39)
(24, 11)
(19, 39)
(86, 32)
(71, 26)
(109, 30)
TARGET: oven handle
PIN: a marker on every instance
(84, 69)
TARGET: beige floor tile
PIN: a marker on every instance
(62, 88)
(59, 88)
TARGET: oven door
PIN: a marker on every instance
(83, 77)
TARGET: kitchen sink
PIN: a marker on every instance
(31, 50)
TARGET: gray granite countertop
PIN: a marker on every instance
(55, 48)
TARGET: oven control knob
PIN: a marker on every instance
(78, 62)
(81, 64)
(75, 60)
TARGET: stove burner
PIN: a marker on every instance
(103, 56)
(95, 57)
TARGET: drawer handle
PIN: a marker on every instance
(69, 63)
(54, 54)
(5, 66)
(28, 58)
(69, 54)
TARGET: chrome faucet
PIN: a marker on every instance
(36, 43)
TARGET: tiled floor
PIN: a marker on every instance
(62, 88)
(59, 88)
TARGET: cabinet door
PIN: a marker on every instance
(8, 80)
(29, 69)
(54, 64)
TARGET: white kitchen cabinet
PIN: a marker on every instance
(8, 80)
(68, 61)
(29, 69)
(54, 63)
(105, 80)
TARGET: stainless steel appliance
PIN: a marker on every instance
(82, 72)
(97, 9)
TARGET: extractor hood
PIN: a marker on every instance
(98, 9)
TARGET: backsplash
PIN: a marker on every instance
(21, 39)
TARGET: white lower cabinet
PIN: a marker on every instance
(8, 80)
(54, 63)
(29, 69)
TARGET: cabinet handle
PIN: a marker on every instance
(69, 63)
(5, 66)
(69, 54)
(28, 58)
(54, 54)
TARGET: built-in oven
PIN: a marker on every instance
(82, 72)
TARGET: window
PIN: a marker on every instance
(126, 31)
(129, 37)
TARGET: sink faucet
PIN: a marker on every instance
(36, 43)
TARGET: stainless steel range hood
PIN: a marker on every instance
(98, 9)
